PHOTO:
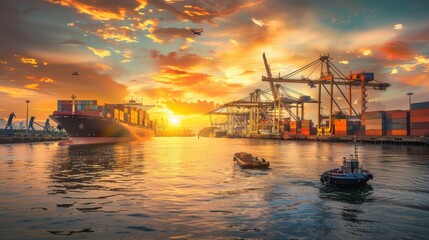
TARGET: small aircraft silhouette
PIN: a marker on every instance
(75, 73)
(197, 32)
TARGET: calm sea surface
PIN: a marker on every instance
(189, 188)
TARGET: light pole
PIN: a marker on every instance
(409, 98)
(26, 121)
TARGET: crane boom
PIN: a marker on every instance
(267, 68)
(311, 83)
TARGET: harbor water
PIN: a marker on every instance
(189, 188)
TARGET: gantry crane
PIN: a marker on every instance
(332, 76)
(248, 112)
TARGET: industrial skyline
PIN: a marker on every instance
(149, 50)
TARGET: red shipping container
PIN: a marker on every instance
(373, 132)
(420, 125)
(397, 114)
(419, 132)
(415, 119)
(305, 132)
(396, 133)
(340, 133)
(419, 112)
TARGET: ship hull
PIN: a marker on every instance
(344, 180)
(95, 129)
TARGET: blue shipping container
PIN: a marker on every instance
(420, 105)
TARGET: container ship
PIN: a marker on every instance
(86, 122)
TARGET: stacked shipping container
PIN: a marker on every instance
(419, 119)
(397, 123)
(295, 127)
(343, 127)
(340, 127)
(117, 112)
(375, 123)
(88, 107)
(306, 127)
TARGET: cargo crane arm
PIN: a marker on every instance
(361, 80)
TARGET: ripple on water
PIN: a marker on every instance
(69, 233)
(184, 188)
(141, 228)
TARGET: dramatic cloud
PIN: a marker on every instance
(120, 34)
(163, 35)
(186, 108)
(180, 77)
(162, 93)
(107, 10)
(146, 47)
(100, 52)
(397, 50)
(28, 60)
(182, 60)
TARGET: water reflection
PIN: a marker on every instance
(80, 167)
(188, 188)
(348, 195)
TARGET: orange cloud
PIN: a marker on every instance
(47, 80)
(154, 38)
(187, 44)
(195, 11)
(96, 13)
(33, 86)
(142, 4)
(120, 34)
(187, 108)
(103, 66)
(180, 77)
(149, 25)
(127, 53)
(28, 60)
(418, 80)
(161, 35)
(234, 42)
(246, 72)
(163, 93)
(181, 60)
(16, 92)
(397, 50)
(217, 89)
(365, 51)
(100, 52)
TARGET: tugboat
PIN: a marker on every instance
(246, 160)
(350, 174)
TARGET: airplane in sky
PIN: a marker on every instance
(197, 32)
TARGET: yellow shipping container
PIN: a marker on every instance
(116, 113)
(121, 115)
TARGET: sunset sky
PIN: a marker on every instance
(145, 49)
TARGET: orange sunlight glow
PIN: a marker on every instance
(174, 120)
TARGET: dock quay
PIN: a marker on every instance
(21, 136)
(389, 140)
